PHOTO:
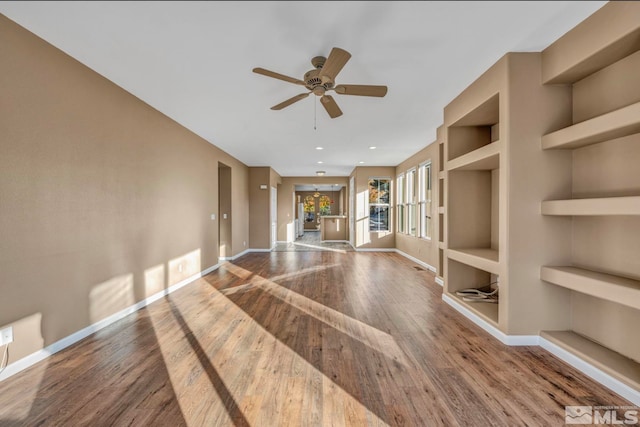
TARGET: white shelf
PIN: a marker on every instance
(601, 206)
(480, 258)
(618, 366)
(622, 122)
(600, 285)
(483, 158)
(487, 311)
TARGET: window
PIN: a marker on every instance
(309, 209)
(400, 204)
(379, 204)
(324, 203)
(425, 200)
(410, 197)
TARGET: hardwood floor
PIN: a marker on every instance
(299, 338)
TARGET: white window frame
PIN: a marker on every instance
(410, 197)
(400, 205)
(381, 205)
(425, 199)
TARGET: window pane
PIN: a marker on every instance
(378, 218)
(400, 218)
(378, 190)
(427, 220)
(412, 219)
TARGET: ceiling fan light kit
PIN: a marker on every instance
(321, 79)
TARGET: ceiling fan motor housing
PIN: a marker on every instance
(316, 84)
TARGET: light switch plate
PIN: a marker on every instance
(213, 217)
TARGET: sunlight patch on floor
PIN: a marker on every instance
(366, 334)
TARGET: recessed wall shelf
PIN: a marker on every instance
(487, 311)
(618, 366)
(608, 287)
(483, 158)
(599, 206)
(482, 258)
(621, 122)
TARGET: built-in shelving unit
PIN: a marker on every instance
(591, 207)
(615, 124)
(599, 208)
(441, 205)
(490, 191)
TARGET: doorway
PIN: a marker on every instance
(225, 249)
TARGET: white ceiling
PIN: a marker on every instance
(193, 61)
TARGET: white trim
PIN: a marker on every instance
(512, 340)
(417, 261)
(375, 249)
(335, 241)
(591, 371)
(440, 281)
(243, 253)
(33, 358)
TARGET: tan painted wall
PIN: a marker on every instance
(104, 200)
(364, 238)
(259, 231)
(423, 249)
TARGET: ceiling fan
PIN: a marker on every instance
(321, 79)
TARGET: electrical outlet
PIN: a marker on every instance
(180, 268)
(6, 335)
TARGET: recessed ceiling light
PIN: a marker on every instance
(320, 173)
(361, 163)
(319, 148)
(320, 162)
(372, 148)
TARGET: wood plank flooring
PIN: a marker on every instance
(299, 339)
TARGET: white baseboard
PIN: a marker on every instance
(375, 249)
(417, 261)
(591, 371)
(440, 281)
(243, 253)
(512, 340)
(33, 358)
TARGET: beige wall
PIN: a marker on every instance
(423, 249)
(259, 209)
(104, 200)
